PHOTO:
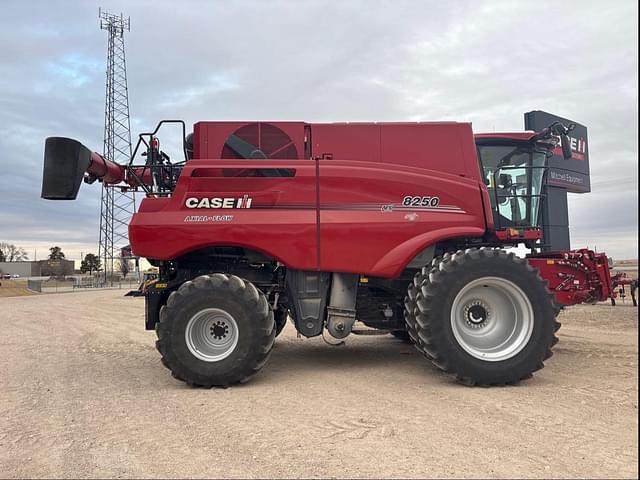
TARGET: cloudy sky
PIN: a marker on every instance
(486, 62)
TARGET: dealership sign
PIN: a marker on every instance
(571, 174)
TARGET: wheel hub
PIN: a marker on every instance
(492, 319)
(476, 314)
(211, 334)
(219, 330)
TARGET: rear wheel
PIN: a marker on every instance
(410, 306)
(486, 317)
(215, 330)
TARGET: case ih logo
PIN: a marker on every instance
(219, 202)
(578, 148)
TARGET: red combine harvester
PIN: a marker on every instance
(345, 228)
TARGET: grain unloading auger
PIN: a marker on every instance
(67, 163)
(345, 228)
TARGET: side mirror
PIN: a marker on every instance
(566, 146)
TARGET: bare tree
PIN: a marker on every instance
(10, 253)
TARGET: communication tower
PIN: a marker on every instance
(117, 205)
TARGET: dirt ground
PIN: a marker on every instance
(14, 288)
(83, 394)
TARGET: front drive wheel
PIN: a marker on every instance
(216, 330)
(486, 317)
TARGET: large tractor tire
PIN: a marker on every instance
(410, 306)
(216, 330)
(484, 316)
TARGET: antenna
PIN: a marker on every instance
(117, 205)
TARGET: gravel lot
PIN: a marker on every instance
(83, 394)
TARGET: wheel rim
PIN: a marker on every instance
(492, 319)
(211, 334)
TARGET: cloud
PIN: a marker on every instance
(487, 62)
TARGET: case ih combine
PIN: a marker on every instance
(345, 228)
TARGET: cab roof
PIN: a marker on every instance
(521, 136)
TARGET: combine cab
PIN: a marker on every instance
(345, 229)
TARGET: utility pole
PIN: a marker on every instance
(117, 206)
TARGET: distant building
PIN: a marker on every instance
(41, 268)
(24, 269)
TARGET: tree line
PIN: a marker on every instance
(12, 253)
